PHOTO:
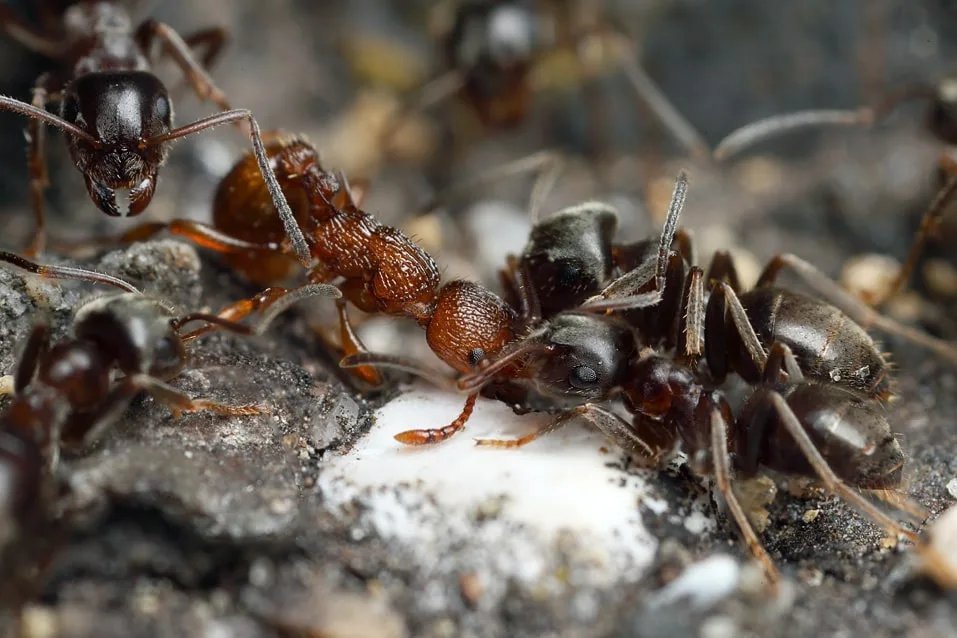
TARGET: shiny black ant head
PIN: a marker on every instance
(135, 331)
(568, 256)
(584, 356)
(493, 33)
(122, 111)
(943, 111)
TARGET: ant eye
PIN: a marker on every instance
(583, 377)
(161, 108)
(476, 355)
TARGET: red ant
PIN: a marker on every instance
(941, 120)
(67, 392)
(116, 114)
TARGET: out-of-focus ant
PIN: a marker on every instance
(68, 391)
(496, 49)
(941, 121)
(116, 114)
(817, 377)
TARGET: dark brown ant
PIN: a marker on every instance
(492, 49)
(67, 392)
(825, 421)
(117, 115)
(941, 122)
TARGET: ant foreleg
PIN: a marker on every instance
(721, 461)
(852, 306)
(789, 421)
(179, 51)
(724, 302)
(722, 268)
(37, 344)
(928, 226)
(211, 40)
(436, 435)
(690, 338)
(352, 345)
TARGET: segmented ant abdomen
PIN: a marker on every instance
(21, 469)
(568, 257)
(244, 209)
(468, 324)
(849, 430)
(942, 119)
(492, 44)
(829, 345)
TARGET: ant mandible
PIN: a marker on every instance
(116, 114)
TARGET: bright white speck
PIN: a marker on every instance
(952, 487)
(702, 584)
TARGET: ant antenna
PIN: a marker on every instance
(36, 113)
(777, 125)
(66, 272)
(289, 222)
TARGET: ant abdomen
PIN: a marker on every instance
(850, 432)
(827, 344)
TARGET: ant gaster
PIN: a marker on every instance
(668, 355)
(117, 115)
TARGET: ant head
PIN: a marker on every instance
(500, 34)
(121, 111)
(583, 356)
(568, 255)
(135, 331)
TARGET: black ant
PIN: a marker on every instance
(818, 378)
(493, 49)
(116, 113)
(941, 122)
(68, 391)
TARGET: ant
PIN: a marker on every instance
(117, 115)
(67, 392)
(495, 53)
(817, 378)
(941, 122)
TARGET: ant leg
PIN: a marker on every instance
(776, 125)
(793, 426)
(352, 345)
(211, 40)
(928, 226)
(856, 309)
(179, 51)
(724, 301)
(662, 108)
(28, 36)
(271, 302)
(299, 245)
(690, 338)
(546, 165)
(37, 165)
(436, 435)
(37, 345)
(120, 397)
(722, 268)
(721, 459)
(66, 272)
(782, 366)
(621, 294)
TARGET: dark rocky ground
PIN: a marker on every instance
(225, 527)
